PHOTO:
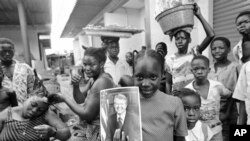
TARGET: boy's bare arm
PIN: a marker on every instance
(242, 114)
(208, 29)
(169, 83)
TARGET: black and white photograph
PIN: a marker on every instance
(124, 70)
(120, 110)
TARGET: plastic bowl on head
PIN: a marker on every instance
(177, 17)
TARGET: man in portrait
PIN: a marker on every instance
(124, 120)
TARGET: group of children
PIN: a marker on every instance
(163, 116)
(198, 112)
(209, 108)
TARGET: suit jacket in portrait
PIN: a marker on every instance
(130, 127)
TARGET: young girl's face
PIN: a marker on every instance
(199, 69)
(192, 109)
(219, 50)
(181, 41)
(91, 66)
(147, 76)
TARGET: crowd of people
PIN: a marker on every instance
(183, 97)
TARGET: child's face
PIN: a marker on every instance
(160, 49)
(199, 69)
(243, 24)
(219, 50)
(129, 58)
(147, 76)
(181, 41)
(192, 109)
(91, 66)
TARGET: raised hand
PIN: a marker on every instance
(197, 10)
(75, 80)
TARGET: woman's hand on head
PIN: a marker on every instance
(45, 131)
(197, 10)
(120, 137)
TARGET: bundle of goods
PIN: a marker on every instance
(111, 31)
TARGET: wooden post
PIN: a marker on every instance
(147, 24)
(24, 33)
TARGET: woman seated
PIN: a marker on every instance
(32, 121)
(87, 97)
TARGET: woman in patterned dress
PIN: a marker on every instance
(32, 121)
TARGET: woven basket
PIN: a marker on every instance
(177, 17)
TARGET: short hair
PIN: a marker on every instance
(225, 40)
(163, 45)
(185, 33)
(202, 57)
(98, 53)
(153, 54)
(184, 92)
(130, 53)
(121, 96)
(7, 41)
(242, 14)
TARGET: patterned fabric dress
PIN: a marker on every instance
(180, 67)
(14, 130)
(24, 82)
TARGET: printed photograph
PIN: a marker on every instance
(120, 110)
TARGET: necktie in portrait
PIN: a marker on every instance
(119, 123)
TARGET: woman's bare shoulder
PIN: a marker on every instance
(103, 82)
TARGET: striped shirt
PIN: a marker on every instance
(15, 130)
